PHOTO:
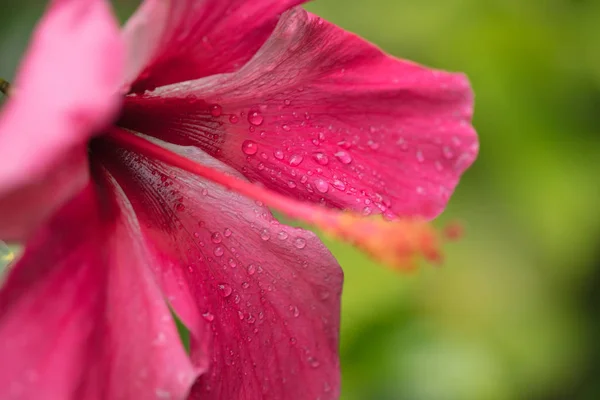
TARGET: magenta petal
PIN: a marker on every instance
(321, 115)
(178, 40)
(66, 89)
(260, 298)
(82, 318)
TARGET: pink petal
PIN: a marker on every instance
(81, 316)
(261, 299)
(179, 40)
(65, 91)
(321, 115)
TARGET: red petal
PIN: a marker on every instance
(66, 89)
(320, 114)
(192, 39)
(261, 299)
(81, 316)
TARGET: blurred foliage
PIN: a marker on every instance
(513, 312)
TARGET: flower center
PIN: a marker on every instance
(5, 87)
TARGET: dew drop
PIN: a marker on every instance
(321, 158)
(285, 128)
(180, 207)
(287, 102)
(448, 153)
(245, 285)
(216, 237)
(224, 289)
(373, 145)
(282, 235)
(294, 310)
(208, 316)
(296, 160)
(300, 243)
(339, 185)
(265, 235)
(344, 157)
(234, 119)
(232, 263)
(249, 147)
(291, 184)
(420, 156)
(216, 110)
(218, 251)
(255, 118)
(321, 185)
(278, 154)
(313, 362)
(251, 269)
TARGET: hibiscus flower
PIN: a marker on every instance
(138, 167)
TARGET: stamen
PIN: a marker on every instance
(398, 244)
(5, 87)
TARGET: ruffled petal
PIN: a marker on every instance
(65, 91)
(321, 115)
(172, 41)
(81, 315)
(261, 299)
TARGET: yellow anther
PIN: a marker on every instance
(398, 244)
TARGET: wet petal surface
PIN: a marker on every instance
(321, 115)
(261, 299)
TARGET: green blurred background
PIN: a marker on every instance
(513, 313)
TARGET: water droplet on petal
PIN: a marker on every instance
(321, 158)
(287, 102)
(265, 235)
(216, 110)
(249, 147)
(218, 251)
(278, 154)
(344, 157)
(296, 160)
(245, 285)
(300, 243)
(282, 235)
(224, 290)
(234, 119)
(313, 362)
(321, 185)
(286, 128)
(227, 232)
(420, 156)
(448, 153)
(216, 237)
(255, 118)
(339, 185)
(180, 207)
(251, 269)
(294, 310)
(208, 316)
